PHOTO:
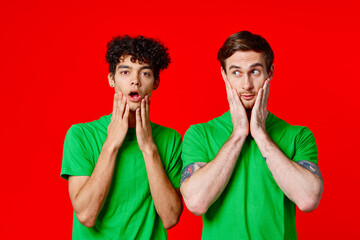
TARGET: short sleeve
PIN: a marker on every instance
(305, 146)
(76, 160)
(174, 168)
(194, 149)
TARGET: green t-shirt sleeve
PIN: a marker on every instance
(76, 160)
(193, 149)
(174, 169)
(305, 146)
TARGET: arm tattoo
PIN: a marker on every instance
(190, 169)
(312, 167)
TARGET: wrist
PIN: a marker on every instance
(149, 150)
(111, 147)
(237, 137)
(259, 135)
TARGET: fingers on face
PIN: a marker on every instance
(259, 98)
(138, 118)
(229, 92)
(143, 111)
(236, 97)
(122, 105)
(267, 90)
(264, 93)
(127, 111)
(115, 104)
(147, 106)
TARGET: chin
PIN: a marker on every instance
(248, 105)
(134, 106)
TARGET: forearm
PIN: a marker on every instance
(89, 199)
(202, 188)
(300, 185)
(166, 199)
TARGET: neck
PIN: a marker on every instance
(248, 113)
(132, 119)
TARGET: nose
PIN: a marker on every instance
(247, 83)
(135, 81)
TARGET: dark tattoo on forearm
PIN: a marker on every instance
(312, 167)
(190, 169)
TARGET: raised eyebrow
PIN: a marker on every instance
(234, 66)
(257, 65)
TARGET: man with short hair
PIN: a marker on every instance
(123, 170)
(245, 170)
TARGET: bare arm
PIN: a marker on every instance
(88, 194)
(203, 183)
(167, 199)
(301, 182)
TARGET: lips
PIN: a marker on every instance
(135, 96)
(247, 96)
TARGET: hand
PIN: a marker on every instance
(259, 112)
(143, 128)
(237, 111)
(119, 123)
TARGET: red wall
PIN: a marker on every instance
(53, 75)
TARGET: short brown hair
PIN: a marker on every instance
(245, 41)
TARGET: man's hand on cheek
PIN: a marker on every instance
(237, 111)
(259, 112)
(143, 127)
(118, 126)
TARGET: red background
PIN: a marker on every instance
(53, 75)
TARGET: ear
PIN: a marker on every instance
(271, 72)
(156, 83)
(223, 73)
(111, 80)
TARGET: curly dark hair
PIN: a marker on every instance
(139, 48)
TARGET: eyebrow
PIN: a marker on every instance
(252, 66)
(146, 67)
(125, 66)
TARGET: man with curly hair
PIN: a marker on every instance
(123, 170)
(246, 170)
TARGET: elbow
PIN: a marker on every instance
(311, 202)
(85, 219)
(194, 202)
(196, 207)
(308, 205)
(170, 223)
(175, 217)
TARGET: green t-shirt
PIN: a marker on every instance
(252, 206)
(129, 211)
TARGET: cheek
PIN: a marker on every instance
(258, 83)
(235, 83)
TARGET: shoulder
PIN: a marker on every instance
(164, 133)
(276, 124)
(221, 124)
(90, 128)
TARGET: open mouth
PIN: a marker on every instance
(134, 96)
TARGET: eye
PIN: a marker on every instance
(255, 72)
(236, 73)
(124, 72)
(146, 74)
